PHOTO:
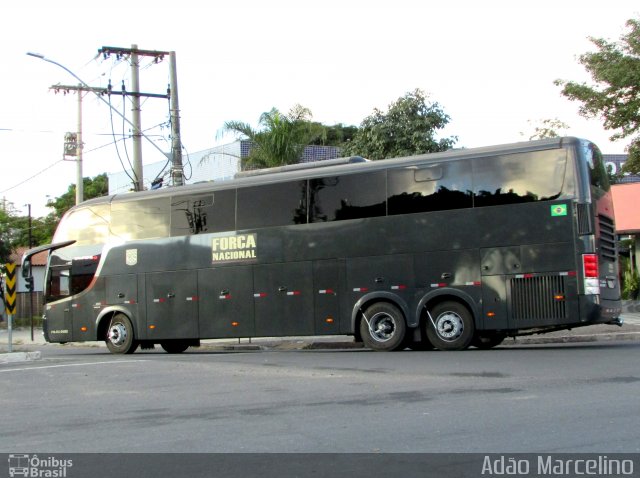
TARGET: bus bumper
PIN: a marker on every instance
(595, 310)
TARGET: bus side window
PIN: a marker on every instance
(270, 205)
(436, 187)
(353, 196)
(143, 219)
(519, 178)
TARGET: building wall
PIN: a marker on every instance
(213, 164)
(614, 163)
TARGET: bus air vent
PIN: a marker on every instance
(607, 238)
(536, 298)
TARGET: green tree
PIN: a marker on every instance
(5, 237)
(336, 135)
(92, 187)
(547, 128)
(615, 97)
(14, 228)
(281, 139)
(408, 127)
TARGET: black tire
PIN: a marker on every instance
(383, 327)
(174, 346)
(120, 337)
(487, 340)
(420, 346)
(449, 326)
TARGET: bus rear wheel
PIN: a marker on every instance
(383, 327)
(450, 326)
(120, 338)
(175, 346)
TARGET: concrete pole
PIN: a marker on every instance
(79, 181)
(137, 129)
(177, 171)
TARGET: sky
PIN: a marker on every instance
(490, 65)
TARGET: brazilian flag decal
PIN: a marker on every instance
(558, 210)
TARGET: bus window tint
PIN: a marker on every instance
(353, 196)
(430, 188)
(598, 176)
(144, 219)
(213, 212)
(518, 178)
(58, 279)
(86, 225)
(83, 270)
(279, 204)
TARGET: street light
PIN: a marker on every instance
(136, 130)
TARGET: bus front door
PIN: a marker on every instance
(59, 309)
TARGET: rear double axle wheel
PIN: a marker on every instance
(449, 326)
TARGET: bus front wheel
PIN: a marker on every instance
(450, 326)
(175, 346)
(383, 327)
(488, 340)
(120, 338)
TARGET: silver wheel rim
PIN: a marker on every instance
(449, 326)
(117, 334)
(382, 327)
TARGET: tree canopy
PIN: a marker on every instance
(14, 227)
(547, 128)
(408, 127)
(92, 188)
(615, 96)
(281, 139)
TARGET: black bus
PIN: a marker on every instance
(445, 250)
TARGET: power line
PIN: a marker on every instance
(32, 177)
(86, 152)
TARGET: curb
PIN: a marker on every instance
(14, 357)
(565, 339)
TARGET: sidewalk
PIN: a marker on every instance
(22, 343)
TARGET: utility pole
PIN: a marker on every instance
(77, 150)
(79, 179)
(88, 88)
(177, 172)
(137, 133)
(135, 110)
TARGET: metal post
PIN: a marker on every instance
(10, 331)
(31, 291)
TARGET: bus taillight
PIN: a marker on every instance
(591, 274)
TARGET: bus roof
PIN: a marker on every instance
(335, 167)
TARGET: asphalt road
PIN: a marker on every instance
(538, 399)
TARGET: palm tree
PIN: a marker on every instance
(282, 138)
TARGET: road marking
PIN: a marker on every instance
(71, 365)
